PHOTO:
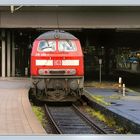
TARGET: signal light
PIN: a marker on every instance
(68, 71)
(42, 72)
(71, 71)
(45, 71)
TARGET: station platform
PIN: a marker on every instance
(16, 116)
(125, 106)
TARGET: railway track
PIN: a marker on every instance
(69, 120)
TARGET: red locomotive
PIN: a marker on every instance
(57, 68)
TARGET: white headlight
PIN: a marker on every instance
(44, 62)
(70, 62)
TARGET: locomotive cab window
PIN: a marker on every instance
(67, 45)
(47, 46)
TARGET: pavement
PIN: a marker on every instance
(127, 106)
(16, 116)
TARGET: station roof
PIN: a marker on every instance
(70, 8)
(71, 2)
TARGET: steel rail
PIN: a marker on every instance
(78, 113)
(89, 121)
(52, 120)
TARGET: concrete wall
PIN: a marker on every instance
(70, 19)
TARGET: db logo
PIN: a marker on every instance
(57, 62)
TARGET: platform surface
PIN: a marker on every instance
(16, 116)
(127, 106)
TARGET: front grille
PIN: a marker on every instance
(57, 72)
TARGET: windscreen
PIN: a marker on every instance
(47, 45)
(67, 46)
(63, 46)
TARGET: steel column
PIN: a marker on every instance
(8, 55)
(3, 53)
(13, 55)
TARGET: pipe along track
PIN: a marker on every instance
(69, 120)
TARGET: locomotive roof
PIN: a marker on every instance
(56, 34)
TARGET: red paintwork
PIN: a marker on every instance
(78, 55)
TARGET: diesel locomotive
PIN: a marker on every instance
(57, 69)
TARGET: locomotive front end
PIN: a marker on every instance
(57, 66)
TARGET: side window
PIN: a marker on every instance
(47, 46)
(67, 45)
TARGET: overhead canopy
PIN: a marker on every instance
(70, 17)
(72, 2)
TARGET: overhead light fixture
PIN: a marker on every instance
(13, 8)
